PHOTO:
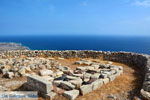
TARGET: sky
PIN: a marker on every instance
(71, 17)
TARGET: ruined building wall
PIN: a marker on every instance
(141, 61)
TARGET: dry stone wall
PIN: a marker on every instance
(141, 61)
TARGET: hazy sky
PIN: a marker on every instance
(102, 17)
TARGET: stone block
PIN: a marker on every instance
(112, 77)
(66, 85)
(84, 89)
(9, 75)
(95, 76)
(72, 77)
(71, 95)
(39, 84)
(57, 82)
(46, 72)
(145, 94)
(105, 80)
(77, 83)
(96, 84)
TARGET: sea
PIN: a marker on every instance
(138, 44)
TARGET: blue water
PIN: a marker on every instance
(105, 43)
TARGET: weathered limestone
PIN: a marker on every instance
(145, 94)
(37, 83)
(97, 84)
(141, 61)
(105, 80)
(95, 76)
(9, 75)
(112, 77)
(72, 94)
(45, 72)
(66, 85)
(57, 82)
(59, 73)
(84, 89)
(77, 83)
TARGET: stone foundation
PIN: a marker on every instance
(141, 61)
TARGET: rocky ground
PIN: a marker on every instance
(12, 46)
(124, 87)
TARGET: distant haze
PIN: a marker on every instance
(75, 17)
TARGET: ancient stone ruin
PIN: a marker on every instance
(46, 75)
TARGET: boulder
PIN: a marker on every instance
(32, 66)
(87, 75)
(45, 72)
(22, 71)
(4, 71)
(37, 83)
(96, 84)
(42, 66)
(59, 73)
(145, 94)
(71, 95)
(96, 66)
(95, 76)
(84, 89)
(77, 83)
(57, 82)
(9, 75)
(105, 80)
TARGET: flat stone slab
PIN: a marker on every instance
(71, 95)
(66, 85)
